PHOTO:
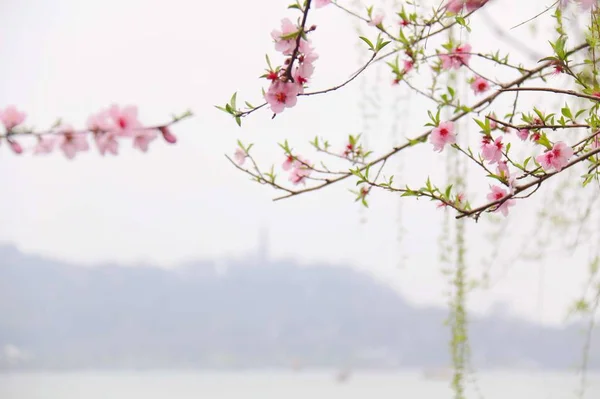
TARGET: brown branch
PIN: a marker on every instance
(553, 90)
(288, 71)
(258, 178)
(533, 127)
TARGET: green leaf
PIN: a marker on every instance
(367, 41)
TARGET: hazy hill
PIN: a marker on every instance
(254, 314)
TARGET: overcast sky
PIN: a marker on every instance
(70, 58)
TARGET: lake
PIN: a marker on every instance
(285, 385)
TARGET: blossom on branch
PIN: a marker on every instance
(457, 58)
(11, 117)
(443, 134)
(240, 156)
(556, 158)
(523, 134)
(479, 85)
(71, 142)
(285, 40)
(496, 195)
(281, 95)
(491, 151)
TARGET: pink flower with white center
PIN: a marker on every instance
(443, 134)
(321, 3)
(45, 145)
(473, 5)
(11, 117)
(142, 139)
(240, 156)
(376, 20)
(556, 158)
(459, 57)
(124, 120)
(523, 134)
(106, 142)
(71, 142)
(455, 6)
(281, 95)
(480, 85)
(289, 163)
(496, 195)
(283, 45)
(492, 151)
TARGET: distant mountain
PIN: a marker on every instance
(250, 314)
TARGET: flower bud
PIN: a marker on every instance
(167, 135)
(16, 147)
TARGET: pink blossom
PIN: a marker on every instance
(556, 158)
(71, 142)
(492, 151)
(523, 134)
(240, 156)
(443, 134)
(587, 4)
(142, 139)
(459, 57)
(503, 169)
(11, 117)
(45, 145)
(455, 6)
(376, 20)
(281, 95)
(302, 74)
(290, 162)
(321, 3)
(473, 5)
(123, 120)
(301, 170)
(408, 66)
(493, 123)
(496, 195)
(309, 55)
(285, 46)
(106, 142)
(99, 122)
(480, 85)
(299, 174)
(596, 141)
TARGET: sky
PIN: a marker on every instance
(181, 202)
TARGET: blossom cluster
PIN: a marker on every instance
(106, 127)
(289, 81)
